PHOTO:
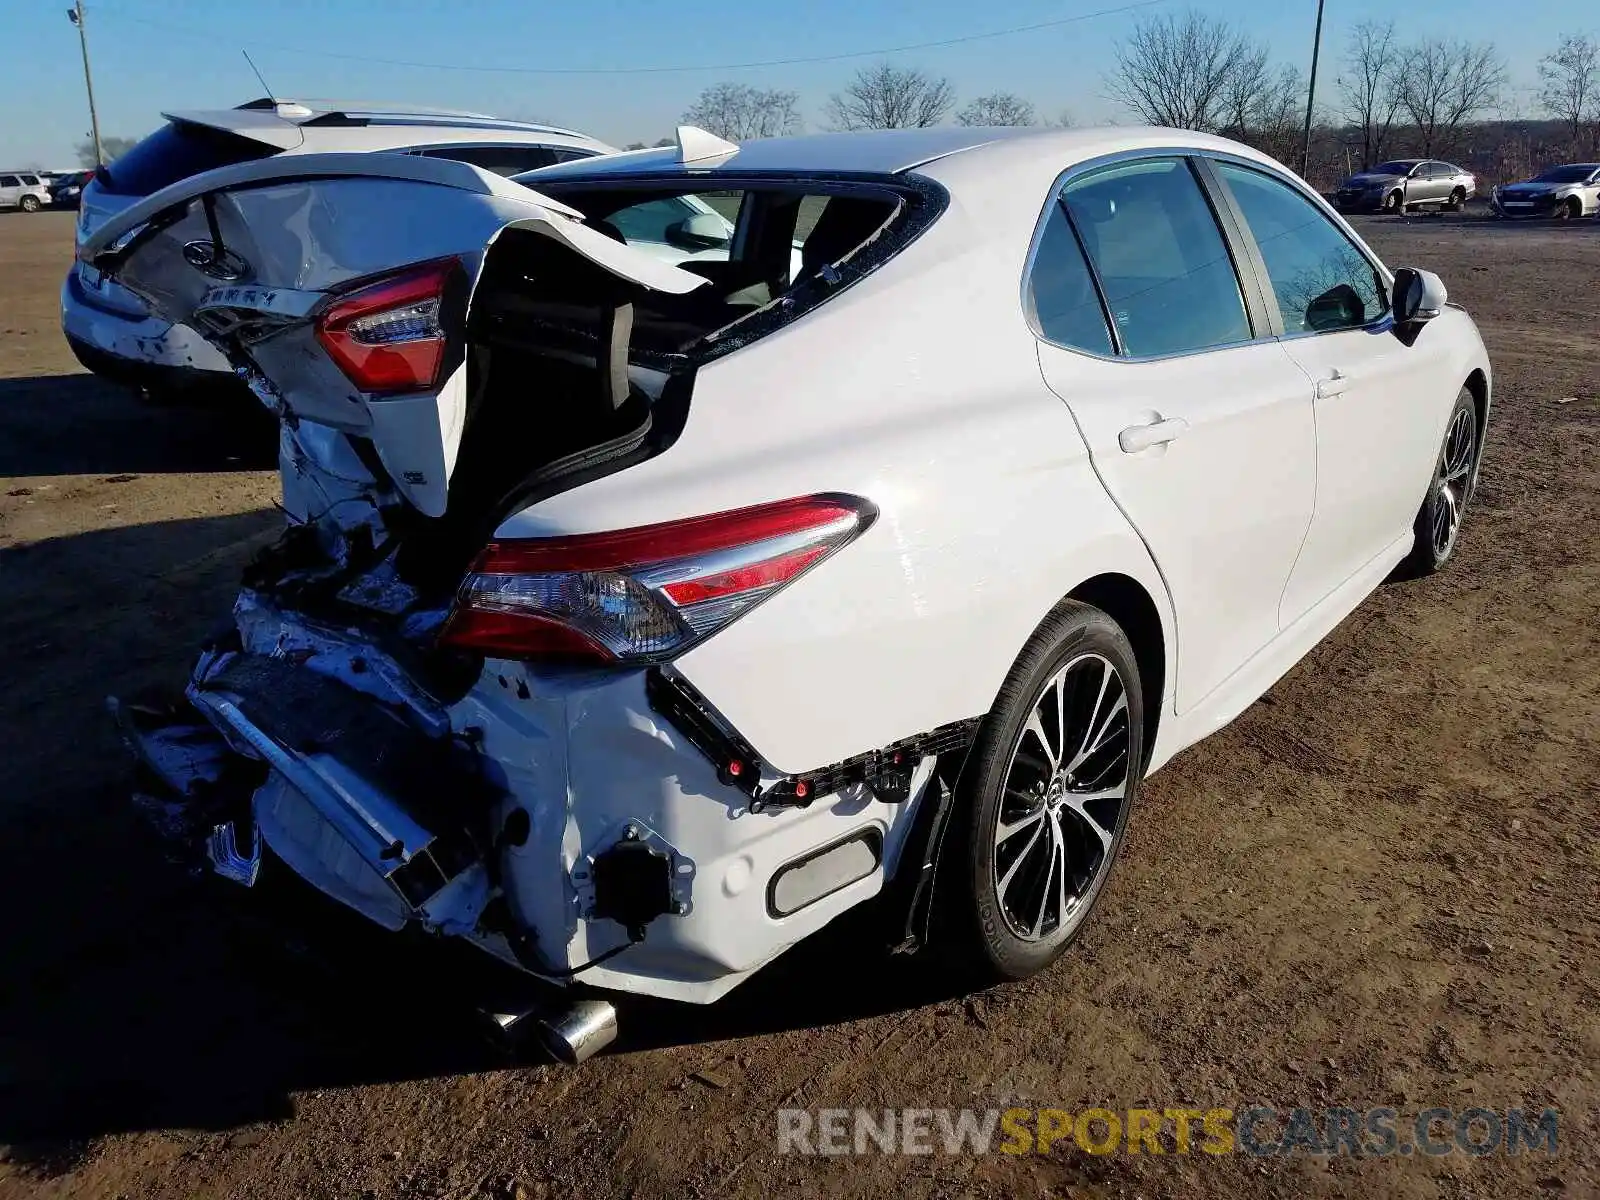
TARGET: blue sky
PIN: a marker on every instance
(151, 55)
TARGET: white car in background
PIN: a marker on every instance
(635, 620)
(115, 335)
(24, 190)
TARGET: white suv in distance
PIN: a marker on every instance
(114, 335)
(24, 190)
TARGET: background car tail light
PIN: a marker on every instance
(388, 336)
(645, 594)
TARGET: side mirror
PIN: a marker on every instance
(1418, 296)
(702, 231)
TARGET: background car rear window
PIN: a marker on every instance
(1320, 280)
(502, 160)
(1065, 303)
(1166, 273)
(176, 151)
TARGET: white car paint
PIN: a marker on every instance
(1007, 473)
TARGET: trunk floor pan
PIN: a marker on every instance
(436, 780)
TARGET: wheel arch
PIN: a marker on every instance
(1125, 600)
(1478, 384)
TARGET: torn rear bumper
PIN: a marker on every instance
(573, 827)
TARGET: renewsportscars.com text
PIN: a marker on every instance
(1259, 1130)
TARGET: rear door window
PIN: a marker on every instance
(176, 151)
(1168, 278)
(1066, 306)
(1319, 279)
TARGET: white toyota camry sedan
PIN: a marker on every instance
(635, 619)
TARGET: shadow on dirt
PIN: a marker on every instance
(146, 998)
(137, 995)
(82, 425)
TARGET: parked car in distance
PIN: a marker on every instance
(1406, 183)
(114, 335)
(1568, 191)
(635, 620)
(66, 189)
(24, 190)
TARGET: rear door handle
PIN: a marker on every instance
(1143, 437)
(1333, 385)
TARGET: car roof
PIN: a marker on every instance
(334, 125)
(980, 158)
(877, 151)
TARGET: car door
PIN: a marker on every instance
(1374, 404)
(1198, 424)
(10, 191)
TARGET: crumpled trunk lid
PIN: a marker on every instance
(252, 255)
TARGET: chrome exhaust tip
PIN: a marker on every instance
(571, 1035)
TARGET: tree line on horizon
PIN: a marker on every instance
(1431, 98)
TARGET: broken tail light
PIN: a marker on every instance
(645, 594)
(389, 336)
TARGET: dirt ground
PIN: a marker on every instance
(1376, 888)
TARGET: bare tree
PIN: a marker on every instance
(114, 148)
(1277, 117)
(739, 112)
(885, 96)
(1442, 84)
(1569, 84)
(1371, 99)
(1243, 89)
(998, 108)
(1176, 70)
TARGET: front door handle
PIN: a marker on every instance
(1333, 385)
(1143, 437)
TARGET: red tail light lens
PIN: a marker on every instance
(388, 336)
(645, 594)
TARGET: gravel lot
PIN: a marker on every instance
(1377, 887)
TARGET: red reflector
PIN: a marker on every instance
(736, 768)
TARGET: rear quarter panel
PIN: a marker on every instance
(919, 389)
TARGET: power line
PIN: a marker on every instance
(480, 68)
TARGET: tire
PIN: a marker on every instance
(1571, 209)
(1457, 201)
(1455, 477)
(1392, 204)
(1000, 920)
(29, 204)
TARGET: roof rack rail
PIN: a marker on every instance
(323, 111)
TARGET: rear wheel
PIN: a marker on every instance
(1454, 478)
(1392, 204)
(1457, 201)
(1570, 210)
(1044, 799)
(30, 204)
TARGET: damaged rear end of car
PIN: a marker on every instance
(491, 736)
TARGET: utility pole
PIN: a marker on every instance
(1311, 92)
(75, 15)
